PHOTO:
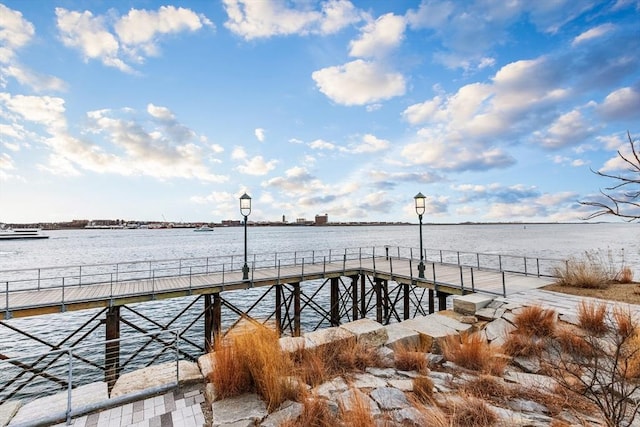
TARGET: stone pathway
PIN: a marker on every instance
(179, 408)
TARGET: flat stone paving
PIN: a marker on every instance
(180, 408)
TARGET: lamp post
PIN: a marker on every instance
(420, 208)
(245, 210)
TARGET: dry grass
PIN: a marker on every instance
(409, 359)
(593, 270)
(315, 413)
(572, 341)
(625, 275)
(469, 411)
(592, 317)
(536, 321)
(230, 376)
(523, 345)
(486, 387)
(433, 416)
(423, 388)
(358, 414)
(473, 352)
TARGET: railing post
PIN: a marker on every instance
(386, 249)
(275, 260)
(222, 274)
(177, 338)
(473, 284)
(458, 257)
(440, 256)
(525, 266)
(329, 256)
(324, 265)
(410, 252)
(6, 299)
(278, 271)
(295, 258)
(504, 286)
(190, 279)
(344, 262)
(111, 286)
(302, 275)
(153, 286)
(538, 266)
(462, 279)
(69, 386)
(38, 279)
(500, 262)
(313, 257)
(63, 294)
(478, 259)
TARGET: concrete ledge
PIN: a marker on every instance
(8, 410)
(327, 336)
(291, 344)
(469, 304)
(432, 333)
(155, 376)
(399, 335)
(367, 332)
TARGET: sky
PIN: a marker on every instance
(496, 110)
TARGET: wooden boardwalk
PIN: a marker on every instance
(441, 277)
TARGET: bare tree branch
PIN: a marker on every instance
(626, 204)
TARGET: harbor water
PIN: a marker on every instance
(619, 242)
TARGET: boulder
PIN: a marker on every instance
(327, 336)
(432, 333)
(291, 344)
(471, 303)
(367, 332)
(389, 398)
(244, 408)
(400, 335)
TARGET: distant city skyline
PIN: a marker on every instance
(171, 111)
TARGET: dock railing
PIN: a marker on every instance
(228, 267)
(73, 378)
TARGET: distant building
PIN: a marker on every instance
(231, 222)
(322, 219)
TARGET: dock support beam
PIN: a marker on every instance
(405, 301)
(363, 295)
(431, 305)
(354, 297)
(335, 301)
(278, 313)
(442, 301)
(378, 290)
(296, 309)
(112, 347)
(208, 323)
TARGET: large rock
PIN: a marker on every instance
(244, 408)
(389, 398)
(471, 303)
(347, 401)
(206, 364)
(291, 344)
(498, 330)
(432, 333)
(287, 411)
(450, 319)
(39, 410)
(399, 335)
(327, 336)
(8, 410)
(156, 376)
(367, 332)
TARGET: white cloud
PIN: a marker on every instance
(369, 144)
(378, 37)
(593, 33)
(238, 153)
(423, 112)
(621, 103)
(359, 82)
(266, 18)
(320, 144)
(260, 134)
(134, 36)
(15, 32)
(257, 166)
(568, 129)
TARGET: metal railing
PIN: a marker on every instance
(72, 379)
(228, 268)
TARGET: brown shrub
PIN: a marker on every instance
(229, 376)
(486, 387)
(592, 271)
(423, 388)
(470, 412)
(315, 413)
(592, 317)
(407, 358)
(473, 352)
(536, 321)
(358, 414)
(523, 345)
(572, 342)
(625, 275)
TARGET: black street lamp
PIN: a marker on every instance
(420, 208)
(245, 210)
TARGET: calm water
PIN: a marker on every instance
(75, 247)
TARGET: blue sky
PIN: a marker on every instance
(144, 110)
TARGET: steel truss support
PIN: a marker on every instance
(112, 347)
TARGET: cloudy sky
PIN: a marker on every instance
(144, 110)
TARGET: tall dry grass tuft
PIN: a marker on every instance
(594, 270)
(407, 358)
(523, 345)
(423, 388)
(470, 411)
(230, 377)
(572, 342)
(473, 352)
(536, 321)
(358, 413)
(486, 387)
(315, 413)
(270, 369)
(625, 275)
(433, 416)
(592, 317)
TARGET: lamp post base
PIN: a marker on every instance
(421, 270)
(245, 272)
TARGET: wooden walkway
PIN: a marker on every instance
(443, 278)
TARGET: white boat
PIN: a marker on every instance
(203, 228)
(21, 233)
